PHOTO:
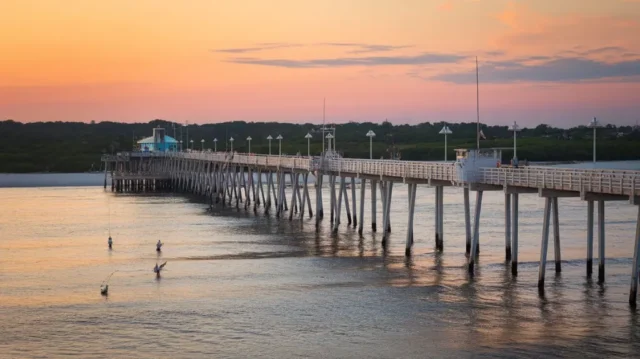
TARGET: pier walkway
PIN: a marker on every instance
(232, 178)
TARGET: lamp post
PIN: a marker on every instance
(515, 128)
(231, 140)
(445, 131)
(269, 138)
(308, 137)
(180, 145)
(594, 124)
(202, 142)
(186, 142)
(279, 138)
(371, 135)
(249, 140)
(215, 145)
(329, 137)
(192, 145)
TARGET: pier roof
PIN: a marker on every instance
(167, 139)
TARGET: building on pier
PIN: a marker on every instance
(158, 142)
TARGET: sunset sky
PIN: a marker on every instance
(559, 62)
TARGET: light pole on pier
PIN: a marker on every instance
(187, 128)
(180, 145)
(445, 131)
(249, 140)
(269, 138)
(279, 138)
(231, 140)
(515, 128)
(308, 137)
(371, 135)
(594, 124)
(202, 142)
(215, 145)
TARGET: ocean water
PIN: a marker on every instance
(239, 284)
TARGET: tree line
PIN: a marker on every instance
(77, 146)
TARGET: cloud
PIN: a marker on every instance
(361, 48)
(259, 47)
(556, 70)
(422, 59)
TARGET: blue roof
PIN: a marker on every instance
(167, 139)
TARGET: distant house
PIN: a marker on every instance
(159, 142)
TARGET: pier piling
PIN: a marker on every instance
(514, 235)
(544, 242)
(601, 241)
(507, 226)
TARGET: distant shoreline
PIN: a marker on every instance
(48, 179)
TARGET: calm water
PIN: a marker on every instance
(240, 285)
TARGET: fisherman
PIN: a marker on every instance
(158, 246)
(156, 269)
(110, 241)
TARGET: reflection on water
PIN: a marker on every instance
(239, 284)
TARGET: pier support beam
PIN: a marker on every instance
(339, 209)
(374, 192)
(601, 241)
(318, 199)
(319, 204)
(544, 243)
(507, 226)
(332, 183)
(590, 207)
(635, 264)
(556, 236)
(363, 184)
(475, 245)
(353, 199)
(514, 235)
(388, 204)
(306, 193)
(467, 219)
(439, 214)
(412, 202)
(388, 191)
(346, 204)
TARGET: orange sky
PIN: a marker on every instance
(557, 62)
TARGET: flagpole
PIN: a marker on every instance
(477, 107)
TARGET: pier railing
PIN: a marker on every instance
(618, 182)
(389, 168)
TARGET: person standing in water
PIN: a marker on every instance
(110, 241)
(158, 246)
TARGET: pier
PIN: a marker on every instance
(257, 182)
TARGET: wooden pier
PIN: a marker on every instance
(232, 179)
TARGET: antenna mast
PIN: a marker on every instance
(324, 103)
(477, 107)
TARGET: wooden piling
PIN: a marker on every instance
(544, 242)
(556, 236)
(514, 235)
(412, 202)
(635, 264)
(363, 184)
(601, 241)
(475, 244)
(507, 226)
